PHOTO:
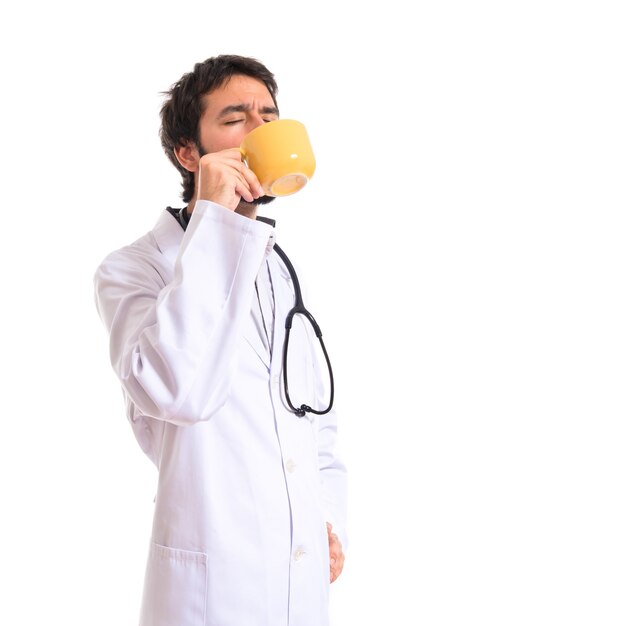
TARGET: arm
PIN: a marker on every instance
(333, 477)
(334, 491)
(332, 471)
(173, 346)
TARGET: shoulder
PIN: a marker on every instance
(139, 260)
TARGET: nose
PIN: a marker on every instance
(255, 121)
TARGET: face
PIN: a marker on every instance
(231, 112)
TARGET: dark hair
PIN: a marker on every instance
(181, 111)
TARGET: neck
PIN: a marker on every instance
(244, 208)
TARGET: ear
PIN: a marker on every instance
(188, 156)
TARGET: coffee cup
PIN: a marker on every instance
(280, 155)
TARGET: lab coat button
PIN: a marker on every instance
(298, 554)
(290, 466)
(275, 381)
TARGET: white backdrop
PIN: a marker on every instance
(463, 241)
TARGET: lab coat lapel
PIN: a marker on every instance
(168, 235)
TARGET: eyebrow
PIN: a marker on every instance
(243, 108)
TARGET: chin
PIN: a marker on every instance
(249, 208)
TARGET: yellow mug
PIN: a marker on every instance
(280, 155)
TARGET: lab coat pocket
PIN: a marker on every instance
(175, 588)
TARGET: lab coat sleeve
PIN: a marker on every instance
(333, 476)
(332, 470)
(173, 346)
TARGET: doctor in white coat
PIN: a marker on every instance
(249, 517)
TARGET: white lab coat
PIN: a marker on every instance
(245, 486)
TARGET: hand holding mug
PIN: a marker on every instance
(224, 179)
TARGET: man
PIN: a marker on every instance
(250, 507)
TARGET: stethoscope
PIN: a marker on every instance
(297, 309)
(300, 309)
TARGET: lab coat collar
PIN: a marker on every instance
(266, 220)
(168, 235)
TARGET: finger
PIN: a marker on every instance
(337, 559)
(252, 181)
(230, 157)
(235, 156)
(243, 189)
(341, 561)
(335, 572)
(336, 568)
(244, 185)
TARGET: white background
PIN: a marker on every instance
(463, 240)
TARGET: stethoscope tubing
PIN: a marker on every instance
(300, 309)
